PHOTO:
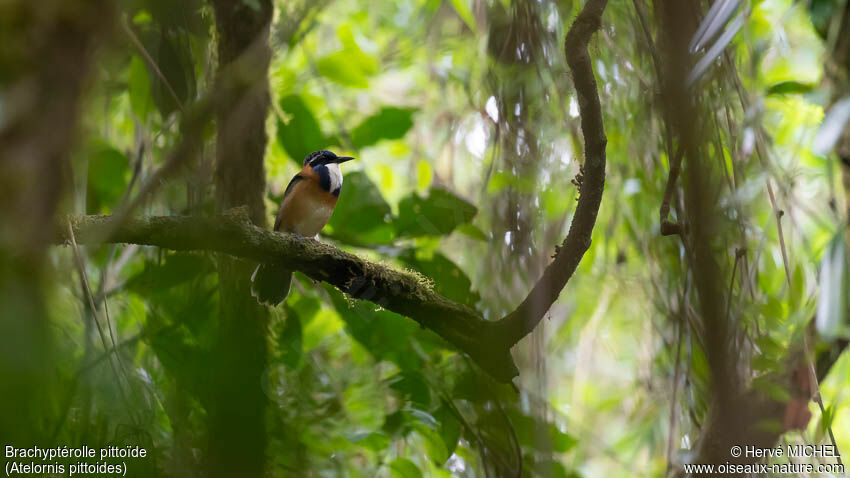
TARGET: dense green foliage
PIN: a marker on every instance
(465, 126)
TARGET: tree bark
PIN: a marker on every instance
(236, 418)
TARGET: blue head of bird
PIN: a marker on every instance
(326, 165)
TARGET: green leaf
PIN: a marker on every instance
(108, 176)
(772, 389)
(139, 88)
(449, 428)
(411, 386)
(465, 13)
(438, 214)
(770, 348)
(434, 446)
(375, 441)
(424, 174)
(789, 88)
(529, 430)
(472, 231)
(349, 66)
(404, 468)
(551, 468)
(172, 55)
(178, 268)
(300, 133)
(386, 335)
(449, 279)
(337, 67)
(388, 123)
(183, 15)
(361, 216)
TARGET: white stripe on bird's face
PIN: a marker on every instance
(336, 176)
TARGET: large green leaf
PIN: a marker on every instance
(404, 468)
(300, 133)
(449, 279)
(349, 66)
(462, 7)
(434, 446)
(177, 269)
(337, 67)
(386, 335)
(361, 216)
(411, 386)
(170, 50)
(388, 123)
(449, 428)
(438, 214)
(108, 175)
(139, 88)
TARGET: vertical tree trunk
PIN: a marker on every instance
(236, 423)
(45, 57)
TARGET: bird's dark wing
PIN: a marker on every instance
(295, 180)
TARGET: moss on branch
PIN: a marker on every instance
(400, 291)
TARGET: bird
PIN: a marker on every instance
(305, 209)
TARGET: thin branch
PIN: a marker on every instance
(676, 374)
(81, 269)
(135, 39)
(815, 385)
(525, 318)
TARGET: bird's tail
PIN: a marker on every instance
(270, 283)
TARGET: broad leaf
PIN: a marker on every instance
(349, 66)
(449, 279)
(108, 176)
(299, 132)
(362, 215)
(139, 88)
(404, 468)
(388, 123)
(386, 335)
(438, 214)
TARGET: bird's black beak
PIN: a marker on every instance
(343, 159)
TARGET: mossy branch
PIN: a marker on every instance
(399, 291)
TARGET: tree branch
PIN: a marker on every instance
(233, 233)
(525, 318)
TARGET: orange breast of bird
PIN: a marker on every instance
(307, 208)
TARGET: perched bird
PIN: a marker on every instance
(306, 207)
